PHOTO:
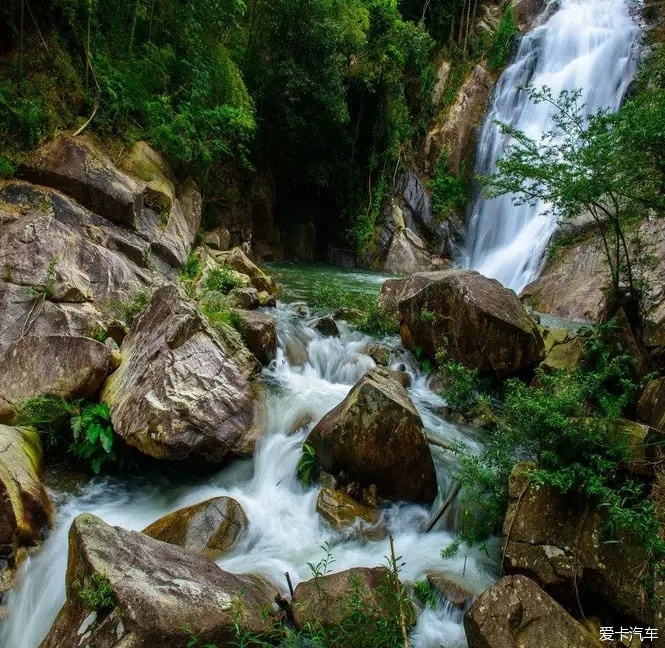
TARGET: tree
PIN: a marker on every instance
(598, 166)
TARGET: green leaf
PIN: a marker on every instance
(106, 437)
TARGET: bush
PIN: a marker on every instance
(503, 40)
(308, 468)
(93, 436)
(449, 192)
(223, 280)
(131, 308)
(96, 592)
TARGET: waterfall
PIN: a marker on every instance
(310, 376)
(585, 44)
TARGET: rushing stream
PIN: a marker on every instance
(586, 44)
(310, 375)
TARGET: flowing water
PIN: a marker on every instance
(310, 375)
(586, 44)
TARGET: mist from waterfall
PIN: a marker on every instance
(585, 44)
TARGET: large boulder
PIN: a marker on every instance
(376, 436)
(25, 509)
(181, 389)
(160, 594)
(58, 365)
(80, 169)
(259, 332)
(239, 261)
(481, 323)
(211, 527)
(516, 613)
(62, 268)
(340, 510)
(561, 544)
(323, 602)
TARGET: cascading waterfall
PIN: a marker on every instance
(585, 44)
(310, 376)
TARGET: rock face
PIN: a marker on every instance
(210, 528)
(375, 436)
(159, 592)
(74, 166)
(482, 323)
(260, 334)
(321, 601)
(180, 390)
(651, 406)
(553, 540)
(25, 509)
(516, 613)
(67, 366)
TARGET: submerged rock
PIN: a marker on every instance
(158, 592)
(480, 323)
(210, 528)
(25, 509)
(58, 365)
(452, 588)
(340, 510)
(327, 326)
(516, 613)
(376, 436)
(181, 389)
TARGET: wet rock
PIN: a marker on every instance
(408, 254)
(339, 510)
(643, 446)
(210, 528)
(321, 602)
(456, 131)
(563, 357)
(237, 260)
(527, 13)
(245, 298)
(452, 588)
(260, 334)
(651, 406)
(77, 167)
(267, 300)
(376, 436)
(182, 389)
(482, 323)
(553, 336)
(379, 353)
(516, 613)
(67, 366)
(327, 326)
(561, 545)
(159, 592)
(25, 509)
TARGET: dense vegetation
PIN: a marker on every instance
(328, 96)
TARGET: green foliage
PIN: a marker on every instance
(601, 166)
(193, 268)
(218, 311)
(193, 641)
(426, 593)
(49, 415)
(371, 319)
(462, 389)
(223, 280)
(503, 39)
(449, 192)
(96, 592)
(7, 168)
(131, 308)
(93, 436)
(566, 422)
(47, 284)
(308, 468)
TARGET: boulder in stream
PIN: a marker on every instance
(480, 323)
(181, 389)
(25, 509)
(211, 527)
(260, 334)
(516, 613)
(154, 594)
(376, 436)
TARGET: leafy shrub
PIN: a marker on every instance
(449, 192)
(7, 168)
(131, 308)
(462, 389)
(223, 280)
(426, 593)
(308, 468)
(503, 40)
(93, 436)
(96, 592)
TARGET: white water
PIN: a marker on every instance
(285, 532)
(586, 44)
